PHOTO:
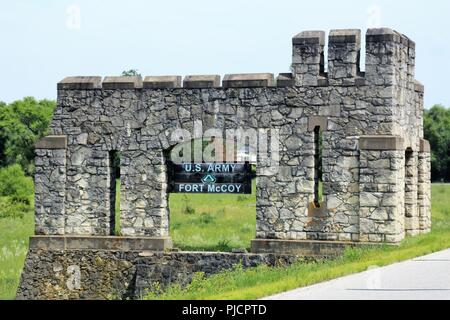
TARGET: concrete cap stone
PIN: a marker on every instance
(62, 243)
(418, 87)
(411, 43)
(285, 80)
(201, 81)
(381, 143)
(51, 142)
(122, 82)
(317, 121)
(345, 36)
(425, 146)
(309, 37)
(80, 83)
(382, 35)
(162, 82)
(248, 80)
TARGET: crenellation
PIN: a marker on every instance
(344, 51)
(308, 62)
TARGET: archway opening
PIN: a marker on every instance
(217, 216)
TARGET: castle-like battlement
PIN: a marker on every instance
(389, 61)
(372, 128)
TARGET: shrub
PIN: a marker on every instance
(12, 209)
(224, 245)
(206, 218)
(15, 185)
(187, 209)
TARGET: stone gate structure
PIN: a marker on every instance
(375, 162)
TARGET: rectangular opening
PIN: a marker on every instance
(317, 167)
(205, 220)
(114, 193)
(409, 174)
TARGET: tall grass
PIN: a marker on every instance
(208, 222)
(212, 222)
(14, 235)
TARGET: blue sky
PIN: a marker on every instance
(45, 40)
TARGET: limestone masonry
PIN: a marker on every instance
(375, 162)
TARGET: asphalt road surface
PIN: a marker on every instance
(422, 278)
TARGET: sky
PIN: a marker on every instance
(43, 41)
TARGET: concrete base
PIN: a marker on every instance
(305, 248)
(100, 243)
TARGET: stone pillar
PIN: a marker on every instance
(381, 189)
(344, 48)
(88, 189)
(308, 58)
(411, 210)
(143, 200)
(50, 185)
(284, 190)
(424, 187)
(382, 56)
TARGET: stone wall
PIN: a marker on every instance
(365, 198)
(91, 274)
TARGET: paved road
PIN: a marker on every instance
(422, 278)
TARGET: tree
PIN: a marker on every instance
(437, 131)
(21, 124)
(131, 72)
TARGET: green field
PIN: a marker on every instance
(212, 222)
(223, 222)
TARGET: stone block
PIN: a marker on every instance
(425, 146)
(345, 36)
(309, 37)
(317, 121)
(80, 83)
(418, 87)
(304, 248)
(285, 80)
(381, 143)
(382, 35)
(201, 81)
(122, 83)
(248, 80)
(51, 142)
(110, 243)
(162, 82)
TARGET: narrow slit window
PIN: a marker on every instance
(114, 192)
(409, 195)
(317, 167)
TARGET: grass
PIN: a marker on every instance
(222, 222)
(263, 281)
(14, 235)
(212, 222)
(209, 222)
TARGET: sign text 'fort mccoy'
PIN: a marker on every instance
(210, 178)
